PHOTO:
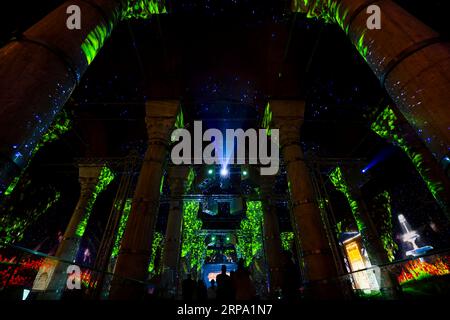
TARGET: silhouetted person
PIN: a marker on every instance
(202, 293)
(224, 286)
(188, 288)
(243, 285)
(212, 290)
(291, 278)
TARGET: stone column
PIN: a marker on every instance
(39, 71)
(410, 59)
(172, 246)
(68, 248)
(135, 250)
(373, 244)
(271, 235)
(307, 223)
(391, 125)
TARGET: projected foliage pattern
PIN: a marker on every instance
(105, 178)
(12, 227)
(193, 247)
(249, 235)
(61, 124)
(121, 229)
(387, 126)
(330, 11)
(157, 247)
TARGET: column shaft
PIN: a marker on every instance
(410, 59)
(391, 125)
(375, 250)
(272, 239)
(135, 251)
(172, 247)
(50, 60)
(307, 222)
(69, 246)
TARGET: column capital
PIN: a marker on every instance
(288, 117)
(88, 174)
(160, 119)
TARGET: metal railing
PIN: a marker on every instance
(31, 275)
(27, 274)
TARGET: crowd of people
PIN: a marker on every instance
(236, 286)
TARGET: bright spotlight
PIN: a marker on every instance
(224, 172)
(210, 171)
(244, 173)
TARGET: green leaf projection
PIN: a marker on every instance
(121, 229)
(61, 124)
(105, 178)
(330, 11)
(338, 181)
(9, 190)
(381, 212)
(144, 9)
(95, 41)
(267, 119)
(249, 235)
(161, 184)
(287, 240)
(157, 247)
(13, 226)
(179, 121)
(193, 247)
(136, 9)
(190, 180)
(387, 126)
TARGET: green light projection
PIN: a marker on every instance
(122, 225)
(136, 9)
(12, 185)
(144, 9)
(190, 179)
(61, 124)
(193, 247)
(384, 203)
(157, 245)
(12, 228)
(382, 210)
(161, 184)
(249, 236)
(95, 41)
(105, 178)
(387, 126)
(338, 181)
(330, 11)
(287, 240)
(361, 47)
(179, 121)
(267, 119)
